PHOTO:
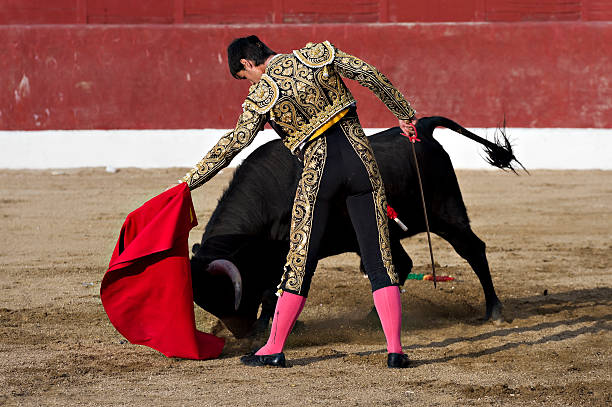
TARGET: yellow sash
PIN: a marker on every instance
(330, 123)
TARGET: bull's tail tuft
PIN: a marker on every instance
(499, 152)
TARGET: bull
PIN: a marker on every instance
(239, 262)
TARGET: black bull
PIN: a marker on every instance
(249, 229)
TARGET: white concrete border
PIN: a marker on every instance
(536, 148)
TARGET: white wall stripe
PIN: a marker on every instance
(536, 148)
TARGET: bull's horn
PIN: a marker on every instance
(226, 267)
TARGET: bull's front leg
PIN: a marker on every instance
(268, 305)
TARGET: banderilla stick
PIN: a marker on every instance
(414, 139)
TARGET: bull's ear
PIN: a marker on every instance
(200, 281)
(195, 248)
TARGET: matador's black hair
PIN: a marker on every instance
(250, 48)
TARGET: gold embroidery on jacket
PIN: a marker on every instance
(302, 214)
(219, 157)
(352, 129)
(367, 75)
(308, 99)
(262, 95)
(316, 55)
(311, 91)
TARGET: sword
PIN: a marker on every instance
(414, 139)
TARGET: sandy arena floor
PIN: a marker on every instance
(549, 247)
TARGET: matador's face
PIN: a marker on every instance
(251, 71)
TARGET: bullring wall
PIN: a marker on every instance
(82, 64)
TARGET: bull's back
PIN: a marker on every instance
(259, 199)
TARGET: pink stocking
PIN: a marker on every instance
(288, 309)
(389, 307)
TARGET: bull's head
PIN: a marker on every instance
(217, 288)
(230, 283)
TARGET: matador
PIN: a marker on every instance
(303, 97)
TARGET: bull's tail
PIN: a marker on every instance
(499, 152)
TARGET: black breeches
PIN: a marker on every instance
(339, 165)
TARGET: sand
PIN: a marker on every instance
(549, 245)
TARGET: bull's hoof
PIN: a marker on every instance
(398, 361)
(275, 360)
(494, 313)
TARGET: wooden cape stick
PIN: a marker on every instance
(414, 139)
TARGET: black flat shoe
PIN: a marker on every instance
(276, 360)
(397, 361)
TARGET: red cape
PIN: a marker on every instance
(147, 291)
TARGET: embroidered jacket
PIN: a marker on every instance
(299, 93)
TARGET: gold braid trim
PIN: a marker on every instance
(302, 214)
(367, 75)
(354, 133)
(219, 157)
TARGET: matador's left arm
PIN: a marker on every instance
(367, 75)
(219, 157)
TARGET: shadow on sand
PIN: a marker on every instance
(523, 307)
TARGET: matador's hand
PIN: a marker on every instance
(406, 127)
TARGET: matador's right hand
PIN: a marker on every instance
(406, 126)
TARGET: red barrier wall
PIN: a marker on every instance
(297, 11)
(62, 66)
(156, 76)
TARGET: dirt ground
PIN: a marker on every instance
(549, 245)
